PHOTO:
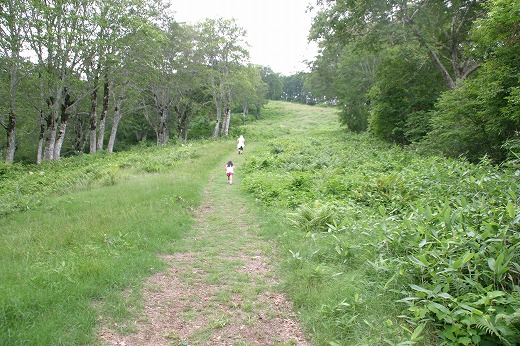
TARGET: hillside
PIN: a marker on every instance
(335, 237)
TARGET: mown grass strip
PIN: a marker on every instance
(57, 259)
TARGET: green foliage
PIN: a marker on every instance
(480, 117)
(464, 258)
(315, 218)
(438, 235)
(405, 92)
(475, 120)
(84, 254)
(407, 54)
(25, 186)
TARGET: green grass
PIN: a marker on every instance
(77, 249)
(374, 242)
(385, 246)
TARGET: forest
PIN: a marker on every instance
(387, 175)
(440, 76)
(84, 76)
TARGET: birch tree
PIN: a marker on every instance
(57, 36)
(11, 40)
(224, 46)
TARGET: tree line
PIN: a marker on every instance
(75, 71)
(441, 76)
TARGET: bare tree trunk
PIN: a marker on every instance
(12, 28)
(50, 138)
(39, 154)
(11, 136)
(93, 118)
(11, 122)
(225, 123)
(59, 140)
(218, 106)
(217, 123)
(115, 123)
(52, 127)
(41, 138)
(79, 135)
(227, 119)
(179, 123)
(104, 112)
(63, 125)
(163, 135)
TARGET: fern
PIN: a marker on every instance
(316, 218)
(484, 323)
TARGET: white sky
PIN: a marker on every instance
(277, 30)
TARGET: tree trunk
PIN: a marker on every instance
(227, 119)
(93, 117)
(11, 122)
(12, 29)
(39, 154)
(163, 135)
(11, 136)
(79, 135)
(218, 106)
(59, 140)
(115, 123)
(180, 124)
(63, 125)
(41, 138)
(104, 112)
(52, 127)
(225, 123)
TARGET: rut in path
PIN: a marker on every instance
(219, 289)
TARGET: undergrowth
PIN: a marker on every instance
(394, 248)
(22, 187)
(67, 258)
(381, 245)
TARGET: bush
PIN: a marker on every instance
(442, 233)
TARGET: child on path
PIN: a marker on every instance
(230, 170)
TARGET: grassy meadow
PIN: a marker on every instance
(387, 246)
(376, 244)
(67, 255)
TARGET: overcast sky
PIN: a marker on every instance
(277, 30)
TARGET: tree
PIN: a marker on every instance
(188, 87)
(11, 40)
(157, 86)
(57, 36)
(274, 82)
(344, 76)
(480, 116)
(250, 89)
(403, 96)
(441, 29)
(128, 43)
(295, 90)
(222, 43)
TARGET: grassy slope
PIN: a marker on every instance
(78, 248)
(376, 224)
(340, 298)
(72, 250)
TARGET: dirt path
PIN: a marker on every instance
(220, 288)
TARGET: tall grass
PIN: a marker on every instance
(386, 246)
(68, 258)
(378, 245)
